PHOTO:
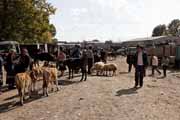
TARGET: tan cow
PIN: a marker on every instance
(23, 83)
(49, 77)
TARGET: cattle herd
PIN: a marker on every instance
(47, 72)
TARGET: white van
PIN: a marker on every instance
(5, 46)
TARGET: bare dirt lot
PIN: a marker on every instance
(101, 98)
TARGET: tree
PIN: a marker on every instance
(173, 27)
(108, 42)
(26, 21)
(159, 30)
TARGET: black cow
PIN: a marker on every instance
(77, 63)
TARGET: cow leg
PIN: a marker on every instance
(57, 86)
(114, 73)
(29, 91)
(82, 76)
(44, 91)
(33, 88)
(72, 73)
(47, 94)
(85, 75)
(52, 86)
(21, 97)
(69, 73)
(97, 73)
(44, 88)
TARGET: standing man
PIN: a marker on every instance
(77, 52)
(61, 59)
(165, 64)
(155, 63)
(10, 68)
(140, 63)
(90, 56)
(130, 61)
(24, 62)
(103, 55)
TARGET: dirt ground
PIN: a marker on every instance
(101, 98)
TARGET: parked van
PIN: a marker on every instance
(5, 46)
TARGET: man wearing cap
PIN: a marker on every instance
(140, 63)
(9, 67)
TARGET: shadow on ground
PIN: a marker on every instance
(123, 72)
(8, 106)
(127, 91)
(67, 82)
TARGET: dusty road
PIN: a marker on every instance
(101, 98)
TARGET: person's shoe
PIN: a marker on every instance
(135, 86)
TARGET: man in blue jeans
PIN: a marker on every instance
(140, 63)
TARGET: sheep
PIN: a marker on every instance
(23, 82)
(110, 67)
(49, 77)
(98, 67)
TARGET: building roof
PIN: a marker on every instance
(153, 40)
(146, 39)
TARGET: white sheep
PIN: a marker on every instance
(98, 67)
(110, 67)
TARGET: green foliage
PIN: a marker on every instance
(26, 21)
(159, 30)
(173, 27)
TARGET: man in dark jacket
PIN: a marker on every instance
(140, 63)
(24, 62)
(90, 57)
(103, 55)
(130, 61)
(77, 52)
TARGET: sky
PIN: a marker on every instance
(117, 20)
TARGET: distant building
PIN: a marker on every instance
(150, 41)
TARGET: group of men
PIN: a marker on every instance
(93, 56)
(140, 61)
(14, 64)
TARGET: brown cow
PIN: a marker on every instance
(23, 82)
(49, 77)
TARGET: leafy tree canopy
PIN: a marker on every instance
(159, 30)
(170, 30)
(26, 21)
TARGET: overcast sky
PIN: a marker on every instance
(118, 20)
